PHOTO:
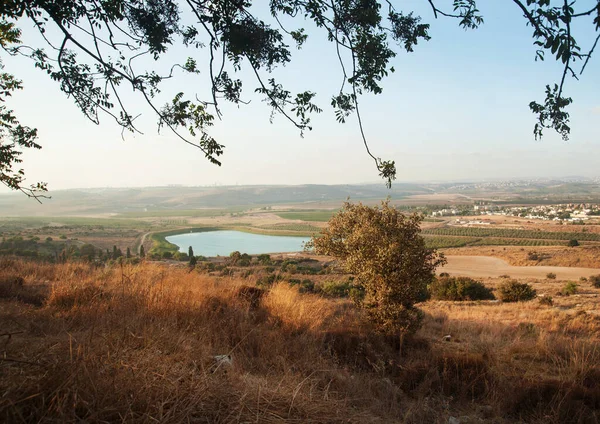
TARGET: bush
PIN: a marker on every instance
(394, 279)
(513, 291)
(551, 276)
(595, 280)
(264, 259)
(573, 243)
(244, 262)
(459, 288)
(546, 301)
(267, 281)
(570, 288)
(336, 288)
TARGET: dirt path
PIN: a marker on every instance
(485, 266)
(142, 241)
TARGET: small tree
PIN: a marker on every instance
(513, 291)
(234, 257)
(190, 251)
(595, 280)
(384, 250)
(142, 251)
(88, 252)
(128, 253)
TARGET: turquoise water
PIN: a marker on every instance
(213, 243)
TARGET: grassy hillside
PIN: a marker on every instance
(138, 344)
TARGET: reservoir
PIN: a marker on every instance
(213, 243)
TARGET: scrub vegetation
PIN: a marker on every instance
(152, 342)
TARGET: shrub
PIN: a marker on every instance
(267, 281)
(306, 285)
(551, 276)
(234, 257)
(444, 274)
(505, 276)
(264, 259)
(513, 291)
(336, 288)
(573, 243)
(459, 288)
(392, 279)
(181, 256)
(546, 301)
(570, 288)
(595, 280)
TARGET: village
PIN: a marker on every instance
(566, 213)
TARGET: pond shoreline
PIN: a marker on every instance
(230, 240)
(160, 244)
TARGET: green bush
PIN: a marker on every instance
(307, 286)
(570, 288)
(459, 288)
(595, 280)
(513, 291)
(551, 276)
(267, 281)
(264, 259)
(336, 288)
(573, 243)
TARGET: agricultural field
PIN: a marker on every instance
(307, 215)
(452, 236)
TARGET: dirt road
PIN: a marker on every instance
(485, 266)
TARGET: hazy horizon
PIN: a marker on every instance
(378, 184)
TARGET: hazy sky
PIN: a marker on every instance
(456, 108)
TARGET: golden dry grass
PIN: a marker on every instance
(136, 344)
(582, 256)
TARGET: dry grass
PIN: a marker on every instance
(137, 344)
(582, 256)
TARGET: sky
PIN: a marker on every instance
(455, 109)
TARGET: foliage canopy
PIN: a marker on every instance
(384, 250)
(95, 51)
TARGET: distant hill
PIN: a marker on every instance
(139, 201)
(156, 199)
